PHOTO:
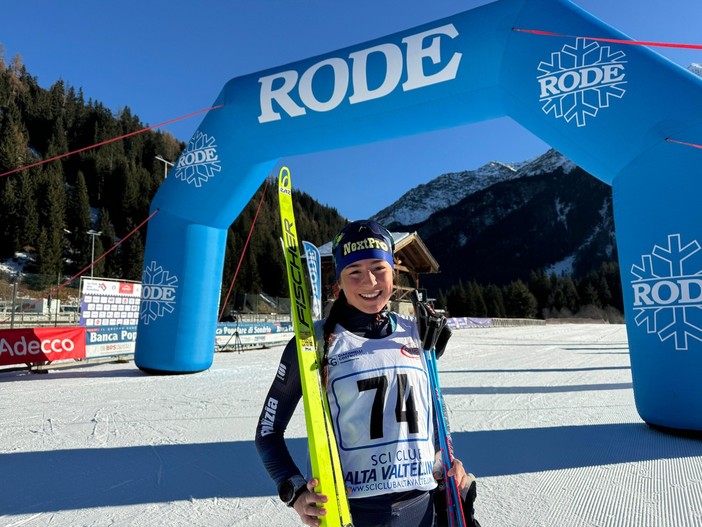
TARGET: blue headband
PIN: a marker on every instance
(362, 240)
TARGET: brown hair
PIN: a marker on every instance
(328, 335)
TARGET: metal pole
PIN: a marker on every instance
(14, 299)
(93, 233)
(166, 164)
(57, 307)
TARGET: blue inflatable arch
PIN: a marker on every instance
(610, 108)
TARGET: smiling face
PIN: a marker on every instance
(367, 284)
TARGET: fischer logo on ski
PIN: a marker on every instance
(296, 275)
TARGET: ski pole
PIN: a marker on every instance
(433, 326)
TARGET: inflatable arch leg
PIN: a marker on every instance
(658, 233)
(191, 303)
(606, 106)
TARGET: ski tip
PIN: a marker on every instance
(284, 183)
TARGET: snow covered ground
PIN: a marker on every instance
(543, 415)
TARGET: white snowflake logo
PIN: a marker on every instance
(199, 162)
(580, 80)
(668, 292)
(158, 293)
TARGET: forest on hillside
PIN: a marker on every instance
(46, 211)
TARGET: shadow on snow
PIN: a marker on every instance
(108, 477)
(494, 390)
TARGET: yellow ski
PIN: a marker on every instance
(324, 455)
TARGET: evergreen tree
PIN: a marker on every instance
(519, 302)
(480, 308)
(572, 299)
(557, 300)
(78, 222)
(456, 300)
(100, 268)
(230, 264)
(603, 291)
(610, 274)
(249, 278)
(52, 210)
(588, 295)
(3, 67)
(45, 265)
(441, 300)
(494, 301)
(110, 265)
(469, 301)
(9, 220)
(53, 224)
(57, 100)
(28, 214)
(540, 287)
(132, 255)
(564, 300)
(14, 146)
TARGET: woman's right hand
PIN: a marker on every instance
(306, 505)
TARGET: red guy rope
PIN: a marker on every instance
(108, 141)
(693, 145)
(614, 40)
(243, 252)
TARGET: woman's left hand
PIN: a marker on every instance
(467, 486)
(463, 479)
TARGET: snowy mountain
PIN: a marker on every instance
(501, 222)
(448, 189)
(696, 69)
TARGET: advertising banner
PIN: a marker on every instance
(35, 345)
(109, 303)
(110, 340)
(109, 310)
(469, 322)
(232, 335)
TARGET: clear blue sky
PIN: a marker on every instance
(167, 58)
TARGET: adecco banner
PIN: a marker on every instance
(27, 345)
